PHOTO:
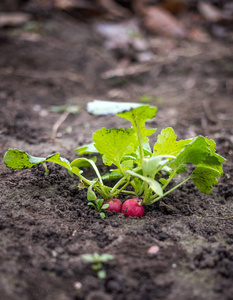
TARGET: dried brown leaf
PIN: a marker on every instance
(13, 19)
(160, 21)
(210, 12)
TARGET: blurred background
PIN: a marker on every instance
(175, 54)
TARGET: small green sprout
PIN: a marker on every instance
(145, 98)
(95, 202)
(99, 206)
(97, 261)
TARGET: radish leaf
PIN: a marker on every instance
(204, 178)
(138, 117)
(86, 149)
(167, 144)
(18, 159)
(114, 144)
(195, 152)
(154, 185)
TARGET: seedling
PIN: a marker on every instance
(97, 262)
(139, 170)
(99, 206)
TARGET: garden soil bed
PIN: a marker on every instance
(45, 223)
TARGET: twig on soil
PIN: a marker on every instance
(189, 209)
(129, 71)
(56, 125)
(42, 76)
(220, 218)
(209, 113)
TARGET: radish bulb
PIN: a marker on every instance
(133, 208)
(114, 205)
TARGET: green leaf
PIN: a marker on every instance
(105, 206)
(138, 185)
(102, 108)
(86, 149)
(84, 162)
(213, 163)
(204, 178)
(88, 257)
(195, 152)
(181, 169)
(138, 117)
(147, 149)
(111, 176)
(102, 215)
(163, 181)
(91, 203)
(72, 108)
(154, 185)
(113, 144)
(99, 203)
(214, 160)
(18, 159)
(127, 164)
(212, 145)
(101, 274)
(106, 257)
(149, 165)
(145, 98)
(97, 267)
(167, 143)
(91, 196)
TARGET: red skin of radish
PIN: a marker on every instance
(133, 208)
(114, 205)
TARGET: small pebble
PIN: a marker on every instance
(153, 250)
(78, 285)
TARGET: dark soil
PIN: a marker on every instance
(45, 223)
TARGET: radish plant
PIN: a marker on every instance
(139, 170)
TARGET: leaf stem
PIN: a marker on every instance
(173, 174)
(120, 182)
(129, 192)
(160, 167)
(100, 189)
(121, 189)
(153, 200)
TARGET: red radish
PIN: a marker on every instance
(133, 208)
(114, 205)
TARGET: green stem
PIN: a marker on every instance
(85, 180)
(160, 168)
(97, 173)
(169, 179)
(153, 200)
(140, 142)
(102, 193)
(46, 169)
(120, 182)
(137, 169)
(133, 184)
(92, 164)
(121, 189)
(120, 168)
(146, 188)
(129, 192)
(88, 183)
